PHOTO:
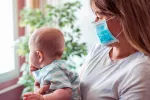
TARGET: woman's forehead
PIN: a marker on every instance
(96, 10)
(100, 9)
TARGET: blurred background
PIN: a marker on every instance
(19, 18)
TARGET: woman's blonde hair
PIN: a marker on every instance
(135, 18)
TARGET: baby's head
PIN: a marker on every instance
(46, 45)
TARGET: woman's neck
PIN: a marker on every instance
(120, 51)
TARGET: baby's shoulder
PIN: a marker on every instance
(65, 66)
(60, 63)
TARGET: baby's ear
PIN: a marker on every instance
(40, 56)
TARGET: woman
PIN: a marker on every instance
(119, 67)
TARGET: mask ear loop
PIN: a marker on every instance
(110, 18)
(119, 34)
(95, 23)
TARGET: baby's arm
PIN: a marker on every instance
(41, 90)
(44, 89)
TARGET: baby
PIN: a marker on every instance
(52, 78)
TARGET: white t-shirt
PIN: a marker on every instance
(125, 79)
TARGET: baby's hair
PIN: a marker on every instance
(50, 41)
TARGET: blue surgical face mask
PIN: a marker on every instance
(103, 33)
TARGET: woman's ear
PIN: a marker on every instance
(40, 56)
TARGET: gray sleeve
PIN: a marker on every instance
(88, 58)
(137, 85)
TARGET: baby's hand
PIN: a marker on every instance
(36, 87)
(33, 68)
(32, 96)
(37, 84)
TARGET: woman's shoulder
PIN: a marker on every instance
(138, 68)
(138, 61)
(141, 60)
(137, 80)
(142, 66)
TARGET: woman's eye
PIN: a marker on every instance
(98, 19)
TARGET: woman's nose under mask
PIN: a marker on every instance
(103, 33)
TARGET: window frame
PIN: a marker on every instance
(14, 73)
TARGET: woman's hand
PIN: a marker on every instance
(32, 96)
(59, 94)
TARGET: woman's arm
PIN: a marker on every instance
(59, 94)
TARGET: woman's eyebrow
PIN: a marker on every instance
(102, 13)
(99, 13)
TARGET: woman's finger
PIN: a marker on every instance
(27, 94)
(32, 96)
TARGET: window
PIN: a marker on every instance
(8, 32)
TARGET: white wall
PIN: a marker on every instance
(85, 18)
